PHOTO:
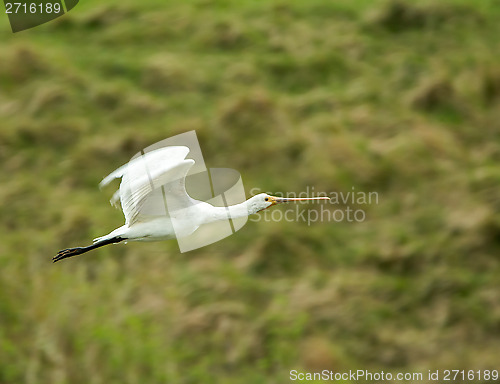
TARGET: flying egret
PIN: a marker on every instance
(160, 174)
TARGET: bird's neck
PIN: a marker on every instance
(230, 212)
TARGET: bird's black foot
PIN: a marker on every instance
(79, 250)
(67, 253)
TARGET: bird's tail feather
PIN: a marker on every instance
(117, 233)
(98, 239)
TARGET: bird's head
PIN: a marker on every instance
(263, 201)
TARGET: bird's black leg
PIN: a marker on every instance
(69, 252)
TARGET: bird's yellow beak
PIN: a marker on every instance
(275, 200)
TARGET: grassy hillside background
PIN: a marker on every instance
(401, 98)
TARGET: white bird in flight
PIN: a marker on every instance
(159, 176)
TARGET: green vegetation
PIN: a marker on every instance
(397, 97)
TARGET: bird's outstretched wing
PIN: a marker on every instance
(150, 180)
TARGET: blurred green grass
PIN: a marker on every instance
(398, 97)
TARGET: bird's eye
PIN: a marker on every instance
(266, 199)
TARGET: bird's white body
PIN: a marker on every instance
(155, 203)
(153, 230)
(187, 222)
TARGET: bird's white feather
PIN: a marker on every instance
(151, 180)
